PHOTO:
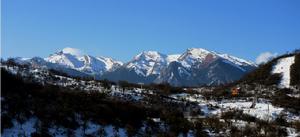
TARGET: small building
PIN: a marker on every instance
(235, 91)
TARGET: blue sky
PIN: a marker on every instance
(122, 29)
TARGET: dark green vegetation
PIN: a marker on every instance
(59, 106)
(281, 99)
(163, 88)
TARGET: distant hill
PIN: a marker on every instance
(283, 71)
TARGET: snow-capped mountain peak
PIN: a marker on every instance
(149, 55)
(199, 55)
(65, 59)
(198, 51)
(196, 55)
(195, 66)
(74, 58)
(147, 63)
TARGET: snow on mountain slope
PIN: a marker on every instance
(150, 62)
(66, 59)
(147, 63)
(283, 67)
(110, 64)
(92, 65)
(21, 60)
(148, 66)
(171, 58)
(238, 61)
(198, 55)
(198, 66)
(194, 55)
(73, 58)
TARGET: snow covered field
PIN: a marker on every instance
(29, 127)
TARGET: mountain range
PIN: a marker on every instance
(194, 67)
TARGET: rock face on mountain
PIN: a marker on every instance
(194, 67)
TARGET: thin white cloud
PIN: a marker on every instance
(73, 51)
(265, 57)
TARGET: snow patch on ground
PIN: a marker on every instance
(261, 110)
(29, 127)
(19, 129)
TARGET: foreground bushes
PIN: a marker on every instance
(59, 106)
